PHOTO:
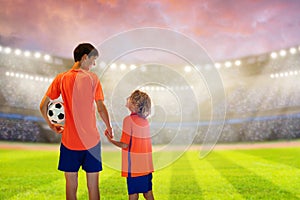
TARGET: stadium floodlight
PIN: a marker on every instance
(291, 73)
(26, 76)
(7, 50)
(281, 74)
(21, 75)
(218, 65)
(293, 50)
(6, 73)
(296, 72)
(132, 67)
(237, 62)
(123, 67)
(272, 76)
(31, 78)
(113, 66)
(282, 53)
(12, 74)
(18, 52)
(37, 55)
(228, 64)
(187, 69)
(47, 57)
(277, 75)
(27, 53)
(273, 55)
(286, 74)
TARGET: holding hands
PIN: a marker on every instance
(109, 133)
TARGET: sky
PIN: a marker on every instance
(226, 29)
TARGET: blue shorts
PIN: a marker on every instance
(71, 160)
(140, 184)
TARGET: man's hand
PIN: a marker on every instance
(109, 133)
(57, 128)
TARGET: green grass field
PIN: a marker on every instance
(224, 174)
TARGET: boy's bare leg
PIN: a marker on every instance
(134, 196)
(149, 195)
(93, 185)
(71, 185)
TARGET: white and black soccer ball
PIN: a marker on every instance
(56, 113)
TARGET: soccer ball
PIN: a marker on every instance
(56, 113)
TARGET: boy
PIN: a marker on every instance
(136, 147)
(80, 143)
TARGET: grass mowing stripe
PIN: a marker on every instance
(250, 185)
(183, 181)
(284, 176)
(213, 184)
(52, 190)
(287, 156)
(161, 183)
(30, 175)
(112, 185)
(24, 172)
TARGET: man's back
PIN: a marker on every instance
(79, 88)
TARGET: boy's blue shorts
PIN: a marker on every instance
(71, 160)
(140, 184)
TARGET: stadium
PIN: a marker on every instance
(262, 105)
(223, 78)
(262, 97)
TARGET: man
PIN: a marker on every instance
(80, 89)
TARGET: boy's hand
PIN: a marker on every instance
(57, 128)
(109, 133)
(109, 138)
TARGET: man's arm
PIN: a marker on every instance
(105, 117)
(43, 108)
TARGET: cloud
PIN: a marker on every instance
(222, 27)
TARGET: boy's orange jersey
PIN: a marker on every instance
(137, 158)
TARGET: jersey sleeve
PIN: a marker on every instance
(53, 91)
(126, 131)
(98, 91)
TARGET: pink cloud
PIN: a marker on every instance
(227, 29)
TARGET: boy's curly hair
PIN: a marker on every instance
(141, 102)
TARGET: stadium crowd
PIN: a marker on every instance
(262, 130)
(18, 130)
(245, 97)
(271, 95)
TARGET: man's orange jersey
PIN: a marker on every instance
(137, 158)
(79, 90)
